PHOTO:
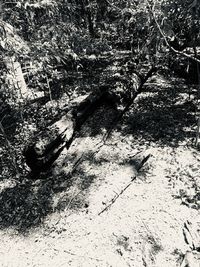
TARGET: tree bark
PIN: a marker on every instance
(15, 79)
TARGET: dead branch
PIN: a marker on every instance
(127, 186)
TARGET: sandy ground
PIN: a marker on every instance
(142, 228)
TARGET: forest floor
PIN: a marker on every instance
(55, 221)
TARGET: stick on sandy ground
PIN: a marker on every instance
(127, 186)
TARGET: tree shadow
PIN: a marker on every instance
(9, 117)
(164, 116)
(25, 205)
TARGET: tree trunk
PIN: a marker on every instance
(85, 6)
(47, 146)
(15, 79)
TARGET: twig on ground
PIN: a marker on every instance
(127, 186)
(74, 195)
(81, 256)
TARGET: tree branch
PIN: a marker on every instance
(165, 38)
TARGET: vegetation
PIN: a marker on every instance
(54, 54)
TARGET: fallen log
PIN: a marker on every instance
(47, 146)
